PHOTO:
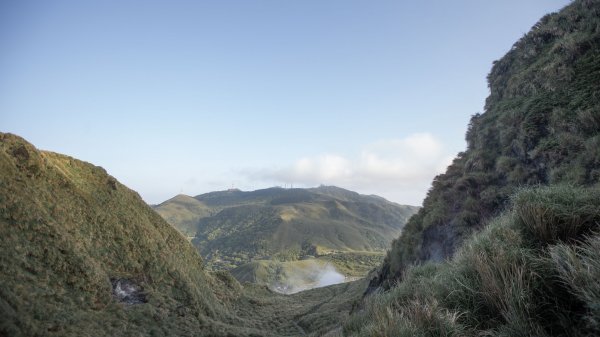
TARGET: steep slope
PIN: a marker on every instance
(287, 224)
(541, 126)
(531, 272)
(81, 254)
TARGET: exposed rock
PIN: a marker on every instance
(439, 242)
(126, 291)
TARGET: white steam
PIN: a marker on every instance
(304, 275)
(329, 276)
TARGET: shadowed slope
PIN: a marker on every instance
(541, 126)
(531, 272)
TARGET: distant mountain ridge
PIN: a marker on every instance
(234, 227)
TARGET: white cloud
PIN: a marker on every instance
(398, 169)
(312, 170)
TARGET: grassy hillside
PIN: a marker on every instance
(533, 271)
(68, 232)
(83, 255)
(541, 126)
(184, 212)
(286, 224)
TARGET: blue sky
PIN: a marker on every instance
(193, 96)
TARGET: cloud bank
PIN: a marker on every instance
(398, 169)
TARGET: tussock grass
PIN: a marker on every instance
(557, 213)
(526, 274)
(579, 270)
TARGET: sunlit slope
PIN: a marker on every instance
(541, 126)
(288, 224)
(184, 212)
(69, 233)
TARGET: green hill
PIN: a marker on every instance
(83, 255)
(286, 224)
(70, 234)
(541, 126)
(184, 212)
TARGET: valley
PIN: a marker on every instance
(82, 254)
(282, 238)
(506, 243)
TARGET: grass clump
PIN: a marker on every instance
(531, 272)
(557, 213)
(579, 270)
(411, 308)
